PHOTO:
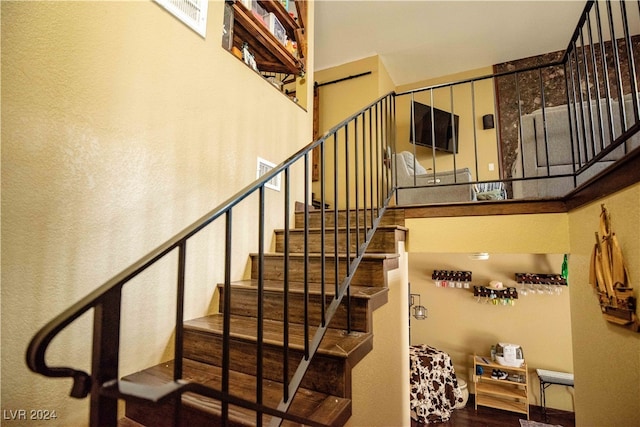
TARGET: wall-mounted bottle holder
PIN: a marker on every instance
(535, 283)
(452, 279)
(505, 296)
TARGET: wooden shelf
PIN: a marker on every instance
(495, 365)
(513, 406)
(500, 390)
(269, 53)
(501, 394)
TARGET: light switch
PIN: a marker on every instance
(492, 166)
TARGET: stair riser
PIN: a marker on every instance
(244, 302)
(371, 272)
(384, 241)
(326, 374)
(391, 217)
(163, 416)
(190, 416)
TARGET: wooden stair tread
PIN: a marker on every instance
(366, 292)
(312, 405)
(336, 343)
(369, 256)
(331, 229)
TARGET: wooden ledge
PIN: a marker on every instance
(501, 207)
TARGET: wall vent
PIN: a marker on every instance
(265, 167)
(192, 12)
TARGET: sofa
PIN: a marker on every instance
(429, 188)
(533, 160)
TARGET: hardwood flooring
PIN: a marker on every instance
(489, 417)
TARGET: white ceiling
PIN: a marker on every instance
(418, 40)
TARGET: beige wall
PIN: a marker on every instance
(390, 347)
(470, 123)
(534, 233)
(460, 325)
(380, 380)
(120, 127)
(341, 100)
(606, 357)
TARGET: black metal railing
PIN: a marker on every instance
(360, 183)
(357, 173)
(560, 123)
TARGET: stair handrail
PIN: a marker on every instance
(106, 299)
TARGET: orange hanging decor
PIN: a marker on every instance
(609, 276)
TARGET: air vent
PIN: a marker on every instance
(192, 12)
(264, 167)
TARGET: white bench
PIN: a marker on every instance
(548, 378)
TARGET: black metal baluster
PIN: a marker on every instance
(226, 313)
(475, 132)
(454, 134)
(618, 72)
(357, 184)
(285, 296)
(570, 121)
(336, 260)
(631, 61)
(364, 174)
(371, 164)
(544, 122)
(583, 121)
(306, 256)
(413, 130)
(377, 162)
(433, 139)
(179, 341)
(578, 143)
(386, 157)
(588, 106)
(104, 363)
(605, 74)
(596, 81)
(523, 154)
(347, 220)
(393, 137)
(323, 235)
(260, 319)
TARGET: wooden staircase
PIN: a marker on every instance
(325, 393)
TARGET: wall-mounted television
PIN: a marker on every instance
(444, 128)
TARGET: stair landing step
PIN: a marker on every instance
(365, 292)
(385, 239)
(201, 410)
(366, 256)
(336, 343)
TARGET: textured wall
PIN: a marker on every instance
(606, 357)
(121, 126)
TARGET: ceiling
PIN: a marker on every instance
(418, 40)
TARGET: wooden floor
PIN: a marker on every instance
(489, 417)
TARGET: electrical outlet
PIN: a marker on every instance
(492, 166)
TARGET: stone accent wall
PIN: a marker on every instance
(521, 93)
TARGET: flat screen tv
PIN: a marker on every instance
(442, 128)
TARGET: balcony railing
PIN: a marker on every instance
(559, 122)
